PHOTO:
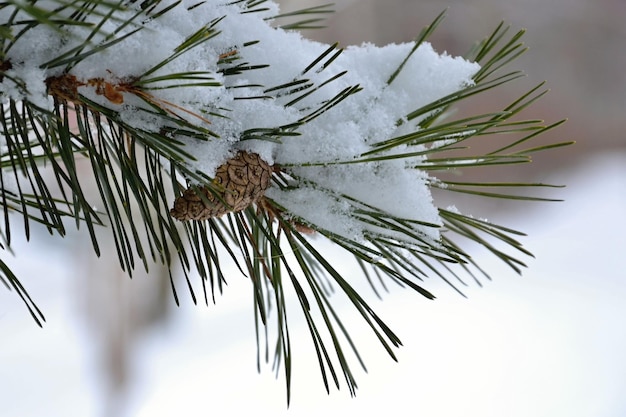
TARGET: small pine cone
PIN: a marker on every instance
(240, 182)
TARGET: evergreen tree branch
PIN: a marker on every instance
(139, 170)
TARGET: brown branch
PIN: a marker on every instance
(65, 88)
(4, 67)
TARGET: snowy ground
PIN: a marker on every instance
(550, 343)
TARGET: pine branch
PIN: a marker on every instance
(144, 131)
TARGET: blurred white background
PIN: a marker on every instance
(549, 343)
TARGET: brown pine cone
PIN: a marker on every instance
(239, 182)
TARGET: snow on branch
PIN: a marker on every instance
(261, 79)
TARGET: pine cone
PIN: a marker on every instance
(240, 181)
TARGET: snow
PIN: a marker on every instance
(549, 343)
(341, 134)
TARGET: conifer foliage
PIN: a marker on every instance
(217, 138)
